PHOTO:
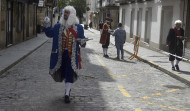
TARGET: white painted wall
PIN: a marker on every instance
(120, 12)
(156, 6)
(93, 6)
(156, 22)
(127, 19)
(143, 23)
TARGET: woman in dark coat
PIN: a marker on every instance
(175, 44)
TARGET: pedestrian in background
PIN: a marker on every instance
(90, 24)
(65, 55)
(105, 36)
(100, 27)
(120, 38)
(175, 44)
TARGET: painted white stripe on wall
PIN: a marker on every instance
(143, 23)
(156, 23)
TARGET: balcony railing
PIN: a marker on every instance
(131, 1)
(28, 1)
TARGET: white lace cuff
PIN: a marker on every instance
(81, 41)
(47, 22)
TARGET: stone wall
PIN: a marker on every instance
(23, 22)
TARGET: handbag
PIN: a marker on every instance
(57, 76)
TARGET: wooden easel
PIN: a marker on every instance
(136, 48)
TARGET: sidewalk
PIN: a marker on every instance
(159, 60)
(12, 55)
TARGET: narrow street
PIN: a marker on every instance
(104, 84)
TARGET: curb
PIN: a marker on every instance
(24, 56)
(181, 79)
(177, 77)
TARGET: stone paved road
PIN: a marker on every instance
(104, 85)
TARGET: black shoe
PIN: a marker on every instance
(67, 100)
(173, 68)
(106, 56)
(177, 67)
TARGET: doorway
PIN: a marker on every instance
(139, 21)
(9, 30)
(28, 20)
(132, 23)
(166, 24)
(187, 32)
(123, 17)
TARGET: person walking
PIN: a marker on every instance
(105, 36)
(90, 25)
(120, 38)
(65, 55)
(175, 44)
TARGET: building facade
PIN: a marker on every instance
(187, 29)
(18, 20)
(100, 9)
(47, 8)
(152, 19)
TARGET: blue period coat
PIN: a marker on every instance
(56, 59)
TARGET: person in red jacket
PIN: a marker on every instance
(105, 36)
(90, 24)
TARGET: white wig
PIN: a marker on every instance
(72, 19)
(178, 22)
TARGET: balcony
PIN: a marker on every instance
(51, 3)
(108, 3)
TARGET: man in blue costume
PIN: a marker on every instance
(65, 55)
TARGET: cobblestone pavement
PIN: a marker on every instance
(104, 84)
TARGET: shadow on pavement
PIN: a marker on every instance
(184, 72)
(174, 87)
(121, 60)
(87, 92)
